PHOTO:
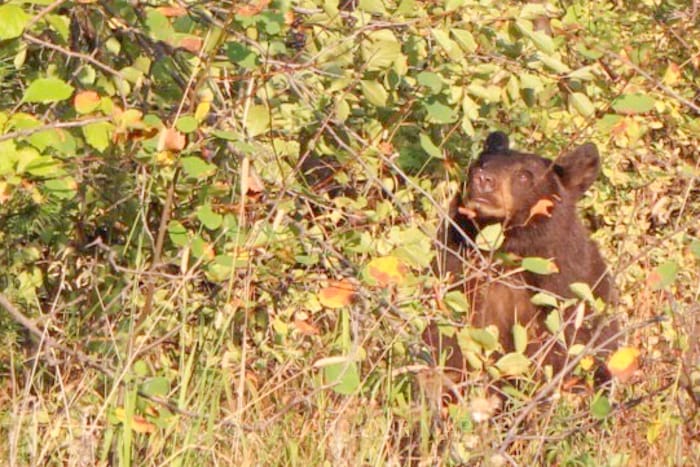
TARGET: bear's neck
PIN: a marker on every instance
(563, 238)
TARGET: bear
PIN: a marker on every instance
(534, 199)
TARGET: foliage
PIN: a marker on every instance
(220, 217)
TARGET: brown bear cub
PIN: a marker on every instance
(534, 199)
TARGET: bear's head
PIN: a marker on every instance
(506, 185)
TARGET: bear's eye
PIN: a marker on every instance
(524, 176)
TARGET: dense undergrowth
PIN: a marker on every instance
(188, 191)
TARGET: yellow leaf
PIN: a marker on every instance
(586, 363)
(623, 363)
(672, 74)
(337, 295)
(387, 270)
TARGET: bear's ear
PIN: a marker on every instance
(496, 142)
(578, 169)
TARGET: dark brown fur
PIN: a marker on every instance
(503, 186)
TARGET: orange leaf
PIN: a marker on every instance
(306, 328)
(86, 101)
(469, 212)
(191, 44)
(289, 17)
(171, 11)
(386, 148)
(623, 363)
(138, 423)
(171, 140)
(542, 207)
(337, 295)
(253, 9)
(387, 271)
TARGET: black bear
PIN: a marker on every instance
(534, 199)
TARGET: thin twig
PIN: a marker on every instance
(70, 53)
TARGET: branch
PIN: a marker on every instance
(53, 126)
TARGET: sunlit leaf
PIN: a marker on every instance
(337, 294)
(513, 364)
(633, 104)
(539, 265)
(98, 135)
(374, 92)
(490, 238)
(195, 167)
(388, 270)
(13, 20)
(663, 276)
(623, 363)
(86, 102)
(46, 90)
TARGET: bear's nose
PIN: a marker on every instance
(483, 182)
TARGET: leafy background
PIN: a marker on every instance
(218, 220)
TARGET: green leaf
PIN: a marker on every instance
(483, 337)
(440, 113)
(540, 265)
(209, 219)
(159, 25)
(430, 148)
(695, 248)
(177, 233)
(553, 63)
(457, 301)
(519, 337)
(490, 238)
(186, 124)
(553, 321)
(98, 135)
(513, 364)
(13, 19)
(344, 376)
(600, 407)
(449, 46)
(45, 90)
(156, 387)
(242, 55)
(258, 120)
(380, 50)
(430, 80)
(630, 104)
(664, 275)
(582, 291)
(374, 93)
(544, 299)
(62, 188)
(581, 103)
(465, 40)
(195, 167)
